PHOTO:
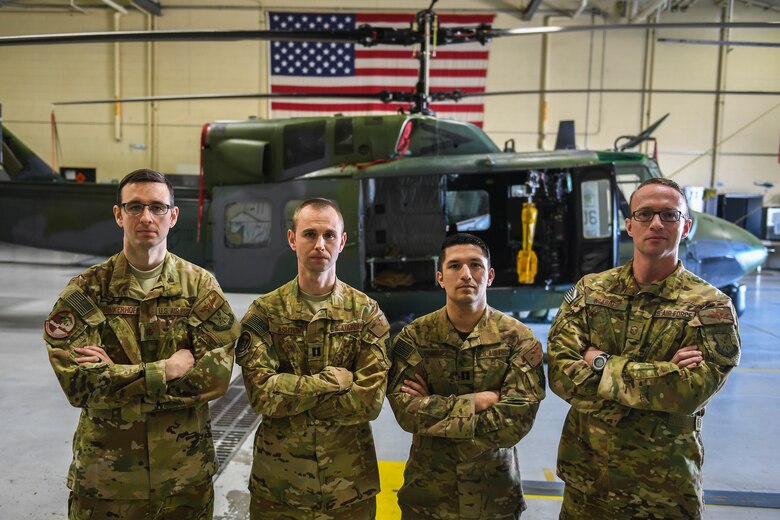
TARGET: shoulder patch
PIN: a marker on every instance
(724, 344)
(380, 327)
(255, 323)
(60, 325)
(534, 356)
(206, 307)
(571, 294)
(80, 303)
(403, 349)
(243, 345)
(716, 316)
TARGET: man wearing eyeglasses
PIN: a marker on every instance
(141, 343)
(638, 351)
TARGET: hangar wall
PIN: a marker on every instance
(166, 135)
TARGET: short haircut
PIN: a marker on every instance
(143, 175)
(459, 239)
(319, 204)
(663, 182)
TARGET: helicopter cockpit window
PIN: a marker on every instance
(304, 143)
(468, 210)
(344, 142)
(627, 182)
(447, 138)
(596, 209)
(248, 224)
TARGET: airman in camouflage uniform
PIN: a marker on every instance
(638, 351)
(313, 354)
(467, 381)
(142, 365)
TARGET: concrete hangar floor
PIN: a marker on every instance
(741, 428)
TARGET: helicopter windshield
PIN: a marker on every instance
(431, 136)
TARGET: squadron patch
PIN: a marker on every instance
(243, 344)
(60, 325)
(724, 344)
(571, 295)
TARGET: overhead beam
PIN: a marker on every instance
(115, 6)
(148, 7)
(530, 11)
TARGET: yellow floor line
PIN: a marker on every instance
(391, 477)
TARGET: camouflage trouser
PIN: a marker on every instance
(262, 509)
(579, 506)
(408, 513)
(196, 504)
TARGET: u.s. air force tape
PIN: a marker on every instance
(255, 323)
(571, 295)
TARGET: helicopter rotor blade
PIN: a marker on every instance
(457, 95)
(728, 43)
(365, 35)
(384, 96)
(525, 31)
(387, 96)
(643, 136)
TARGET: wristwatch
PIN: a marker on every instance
(599, 362)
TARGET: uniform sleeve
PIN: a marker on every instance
(570, 376)
(450, 416)
(511, 418)
(662, 385)
(273, 393)
(363, 401)
(212, 330)
(75, 321)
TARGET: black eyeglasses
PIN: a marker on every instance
(645, 215)
(136, 208)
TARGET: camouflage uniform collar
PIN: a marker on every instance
(122, 279)
(485, 333)
(337, 307)
(668, 288)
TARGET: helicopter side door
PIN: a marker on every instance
(596, 217)
(250, 224)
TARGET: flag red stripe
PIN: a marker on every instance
(435, 73)
(407, 54)
(365, 89)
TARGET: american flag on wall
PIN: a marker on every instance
(311, 67)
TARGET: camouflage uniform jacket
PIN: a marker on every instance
(631, 441)
(140, 436)
(317, 380)
(464, 465)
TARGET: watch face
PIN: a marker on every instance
(599, 363)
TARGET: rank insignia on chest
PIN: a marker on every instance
(315, 350)
(149, 331)
(60, 325)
